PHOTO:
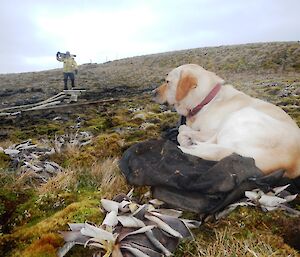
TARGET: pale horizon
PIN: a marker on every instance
(97, 32)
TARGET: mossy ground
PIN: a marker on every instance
(32, 217)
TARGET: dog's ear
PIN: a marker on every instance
(185, 84)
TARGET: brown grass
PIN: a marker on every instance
(227, 242)
(65, 180)
(107, 175)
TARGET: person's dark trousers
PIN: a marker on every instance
(72, 78)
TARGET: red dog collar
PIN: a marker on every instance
(206, 100)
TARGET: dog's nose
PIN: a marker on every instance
(154, 93)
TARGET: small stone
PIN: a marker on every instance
(141, 116)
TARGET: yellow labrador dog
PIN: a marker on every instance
(222, 120)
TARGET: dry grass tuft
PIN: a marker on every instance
(104, 176)
(108, 178)
(6, 143)
(65, 180)
(227, 242)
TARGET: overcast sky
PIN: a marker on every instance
(33, 31)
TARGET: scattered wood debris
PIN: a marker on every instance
(67, 96)
(276, 199)
(78, 139)
(30, 158)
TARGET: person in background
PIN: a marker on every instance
(70, 67)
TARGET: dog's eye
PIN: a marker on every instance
(167, 81)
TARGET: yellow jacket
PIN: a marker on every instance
(69, 63)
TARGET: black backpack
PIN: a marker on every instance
(191, 183)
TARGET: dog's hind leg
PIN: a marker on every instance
(207, 151)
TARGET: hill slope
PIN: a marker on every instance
(234, 63)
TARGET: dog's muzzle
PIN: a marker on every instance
(154, 93)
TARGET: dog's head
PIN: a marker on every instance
(185, 87)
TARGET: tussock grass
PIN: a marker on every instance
(108, 178)
(103, 176)
(228, 242)
(64, 181)
(6, 143)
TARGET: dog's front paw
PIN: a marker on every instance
(183, 128)
(184, 139)
(187, 149)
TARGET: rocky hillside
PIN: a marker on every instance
(239, 63)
